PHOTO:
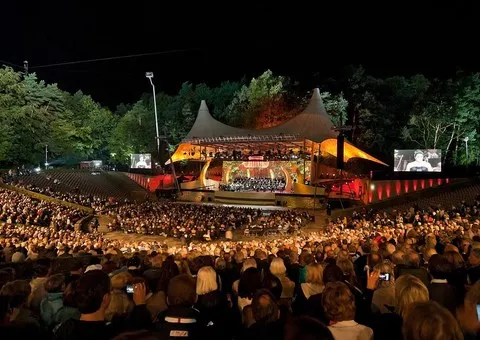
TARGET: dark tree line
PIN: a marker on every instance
(384, 113)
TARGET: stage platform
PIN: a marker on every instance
(257, 198)
(248, 206)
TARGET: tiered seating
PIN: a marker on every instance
(84, 182)
(446, 199)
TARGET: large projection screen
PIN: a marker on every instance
(141, 161)
(418, 160)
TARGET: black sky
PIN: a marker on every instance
(307, 40)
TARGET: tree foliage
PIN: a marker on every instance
(385, 114)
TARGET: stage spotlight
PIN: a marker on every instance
(372, 186)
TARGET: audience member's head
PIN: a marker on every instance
(428, 253)
(332, 273)
(55, 283)
(315, 274)
(17, 291)
(168, 271)
(346, 265)
(250, 282)
(249, 263)
(338, 302)
(206, 280)
(455, 259)
(439, 267)
(92, 292)
(181, 291)
(385, 268)
(474, 258)
(277, 267)
(264, 307)
(273, 284)
(430, 321)
(398, 257)
(408, 290)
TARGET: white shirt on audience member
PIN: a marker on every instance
(350, 330)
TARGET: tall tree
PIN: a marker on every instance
(467, 120)
(336, 107)
(262, 94)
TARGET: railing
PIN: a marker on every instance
(239, 139)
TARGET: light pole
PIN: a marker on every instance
(149, 75)
(466, 147)
(46, 156)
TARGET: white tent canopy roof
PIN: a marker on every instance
(313, 124)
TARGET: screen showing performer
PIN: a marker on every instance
(419, 160)
(141, 161)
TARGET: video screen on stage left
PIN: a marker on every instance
(141, 161)
(418, 160)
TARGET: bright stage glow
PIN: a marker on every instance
(266, 169)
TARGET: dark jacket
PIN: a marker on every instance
(261, 331)
(473, 275)
(139, 318)
(314, 308)
(92, 330)
(180, 322)
(388, 326)
(458, 279)
(444, 294)
(293, 272)
(359, 266)
(215, 314)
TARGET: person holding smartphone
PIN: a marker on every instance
(384, 296)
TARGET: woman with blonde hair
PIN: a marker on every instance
(346, 265)
(206, 280)
(120, 305)
(408, 290)
(212, 303)
(277, 268)
(313, 286)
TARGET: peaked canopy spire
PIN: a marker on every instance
(206, 126)
(313, 123)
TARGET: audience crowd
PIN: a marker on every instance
(199, 222)
(255, 184)
(21, 209)
(16, 178)
(379, 275)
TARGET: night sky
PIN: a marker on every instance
(309, 41)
